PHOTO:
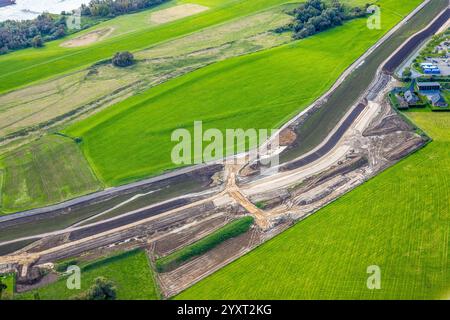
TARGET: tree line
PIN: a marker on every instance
(113, 8)
(22, 34)
(315, 16)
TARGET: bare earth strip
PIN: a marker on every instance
(89, 38)
(175, 13)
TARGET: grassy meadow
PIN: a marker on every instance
(30, 65)
(326, 255)
(130, 272)
(49, 170)
(99, 87)
(8, 280)
(260, 90)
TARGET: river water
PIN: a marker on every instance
(29, 9)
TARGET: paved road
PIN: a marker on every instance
(414, 42)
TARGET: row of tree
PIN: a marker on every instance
(102, 289)
(316, 16)
(22, 34)
(113, 8)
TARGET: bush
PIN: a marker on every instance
(112, 8)
(407, 74)
(198, 248)
(316, 16)
(123, 59)
(16, 35)
(102, 289)
(63, 265)
(37, 42)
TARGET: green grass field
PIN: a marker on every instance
(399, 220)
(129, 271)
(98, 87)
(49, 170)
(9, 280)
(261, 90)
(26, 66)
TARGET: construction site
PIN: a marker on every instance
(194, 202)
(376, 138)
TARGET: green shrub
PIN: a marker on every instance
(63, 265)
(123, 59)
(102, 289)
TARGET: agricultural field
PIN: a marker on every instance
(100, 86)
(46, 171)
(26, 66)
(129, 271)
(270, 86)
(326, 255)
(75, 121)
(7, 283)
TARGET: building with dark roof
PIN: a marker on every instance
(428, 86)
(411, 97)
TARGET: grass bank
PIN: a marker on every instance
(49, 170)
(129, 271)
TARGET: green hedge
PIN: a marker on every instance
(62, 266)
(205, 244)
(8, 279)
(394, 101)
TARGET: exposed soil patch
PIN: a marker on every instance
(388, 125)
(175, 13)
(88, 38)
(406, 143)
(45, 280)
(287, 137)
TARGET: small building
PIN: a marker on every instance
(437, 100)
(411, 98)
(430, 68)
(402, 103)
(428, 86)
